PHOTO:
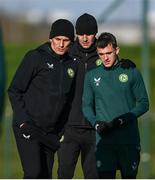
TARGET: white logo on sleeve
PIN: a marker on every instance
(97, 81)
(50, 66)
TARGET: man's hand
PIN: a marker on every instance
(49, 139)
(127, 63)
(103, 127)
(61, 139)
(123, 119)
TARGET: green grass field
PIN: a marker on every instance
(9, 160)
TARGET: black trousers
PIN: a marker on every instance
(37, 160)
(112, 175)
(77, 141)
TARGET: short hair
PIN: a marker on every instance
(106, 38)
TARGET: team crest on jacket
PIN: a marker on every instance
(97, 81)
(123, 77)
(98, 62)
(70, 72)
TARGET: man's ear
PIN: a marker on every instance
(117, 50)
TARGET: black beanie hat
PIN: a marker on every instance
(86, 24)
(62, 27)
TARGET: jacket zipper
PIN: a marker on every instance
(61, 77)
(60, 89)
(86, 64)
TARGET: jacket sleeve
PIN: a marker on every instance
(88, 101)
(19, 86)
(140, 93)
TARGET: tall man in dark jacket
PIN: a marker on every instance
(79, 136)
(40, 95)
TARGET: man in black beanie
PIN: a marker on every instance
(86, 24)
(62, 27)
(79, 136)
(41, 96)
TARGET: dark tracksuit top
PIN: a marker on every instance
(87, 59)
(79, 136)
(41, 89)
(115, 91)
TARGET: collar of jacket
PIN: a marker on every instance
(115, 65)
(84, 50)
(46, 47)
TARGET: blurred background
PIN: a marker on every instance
(25, 24)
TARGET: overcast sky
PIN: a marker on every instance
(71, 9)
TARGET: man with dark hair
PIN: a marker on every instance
(113, 99)
(40, 95)
(79, 136)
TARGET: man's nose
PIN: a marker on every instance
(105, 56)
(85, 37)
(61, 43)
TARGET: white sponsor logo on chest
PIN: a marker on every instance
(97, 81)
(51, 66)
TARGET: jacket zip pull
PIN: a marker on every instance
(85, 62)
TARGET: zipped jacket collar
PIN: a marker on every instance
(46, 47)
(115, 65)
(92, 48)
(85, 55)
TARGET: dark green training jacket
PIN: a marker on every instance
(41, 90)
(114, 92)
